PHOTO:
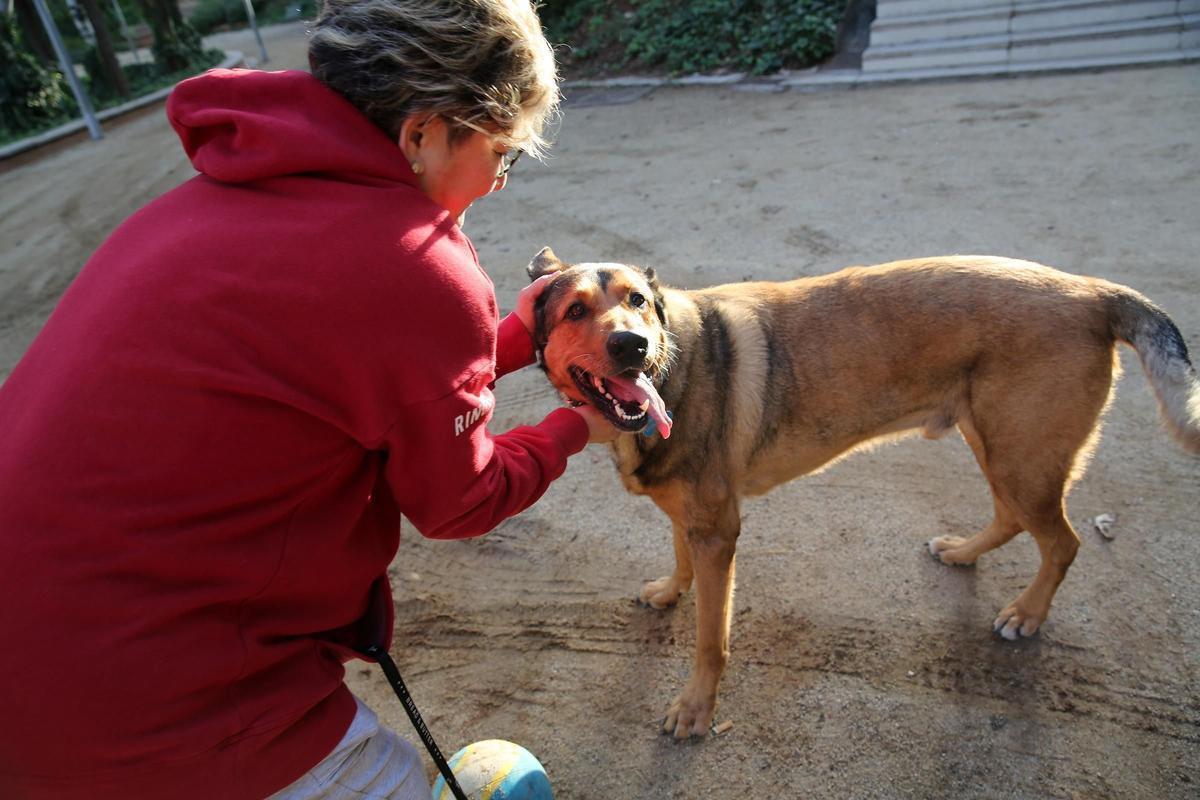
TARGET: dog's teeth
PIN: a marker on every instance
(644, 406)
(619, 410)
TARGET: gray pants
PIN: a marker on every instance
(370, 762)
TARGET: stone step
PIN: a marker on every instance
(1164, 34)
(1001, 18)
(888, 9)
(849, 79)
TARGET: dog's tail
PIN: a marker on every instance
(1158, 342)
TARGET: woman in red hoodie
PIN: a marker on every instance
(207, 451)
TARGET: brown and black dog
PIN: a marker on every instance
(770, 381)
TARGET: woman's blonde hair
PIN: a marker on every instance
(480, 60)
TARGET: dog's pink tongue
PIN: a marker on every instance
(641, 390)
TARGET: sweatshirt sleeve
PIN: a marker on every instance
(453, 479)
(514, 346)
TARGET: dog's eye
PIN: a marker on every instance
(636, 300)
(576, 311)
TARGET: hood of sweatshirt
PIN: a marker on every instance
(245, 125)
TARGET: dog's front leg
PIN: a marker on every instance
(676, 499)
(665, 592)
(712, 541)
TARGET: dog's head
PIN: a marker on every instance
(601, 330)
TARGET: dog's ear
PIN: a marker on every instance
(660, 307)
(544, 263)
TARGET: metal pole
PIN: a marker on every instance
(262, 49)
(64, 58)
(125, 30)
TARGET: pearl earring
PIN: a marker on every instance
(417, 167)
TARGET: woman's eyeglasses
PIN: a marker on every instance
(509, 157)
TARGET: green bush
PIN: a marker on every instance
(142, 78)
(31, 96)
(178, 51)
(683, 36)
(98, 86)
(54, 106)
(147, 78)
(213, 15)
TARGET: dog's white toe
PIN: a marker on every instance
(1011, 626)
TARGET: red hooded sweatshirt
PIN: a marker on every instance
(205, 454)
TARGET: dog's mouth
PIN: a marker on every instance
(629, 400)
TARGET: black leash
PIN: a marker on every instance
(393, 675)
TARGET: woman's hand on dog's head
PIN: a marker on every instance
(527, 298)
(600, 430)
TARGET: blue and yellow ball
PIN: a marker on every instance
(496, 770)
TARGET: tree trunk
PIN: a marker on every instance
(34, 34)
(176, 44)
(113, 73)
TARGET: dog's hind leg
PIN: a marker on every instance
(1004, 526)
(1028, 495)
(963, 552)
(1058, 543)
(1037, 433)
(712, 535)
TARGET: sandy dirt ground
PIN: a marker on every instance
(860, 668)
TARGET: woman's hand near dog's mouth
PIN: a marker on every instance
(600, 430)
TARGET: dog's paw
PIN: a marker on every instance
(950, 550)
(1014, 623)
(662, 593)
(691, 714)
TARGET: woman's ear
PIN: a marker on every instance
(414, 137)
(409, 140)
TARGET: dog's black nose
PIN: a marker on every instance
(627, 349)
